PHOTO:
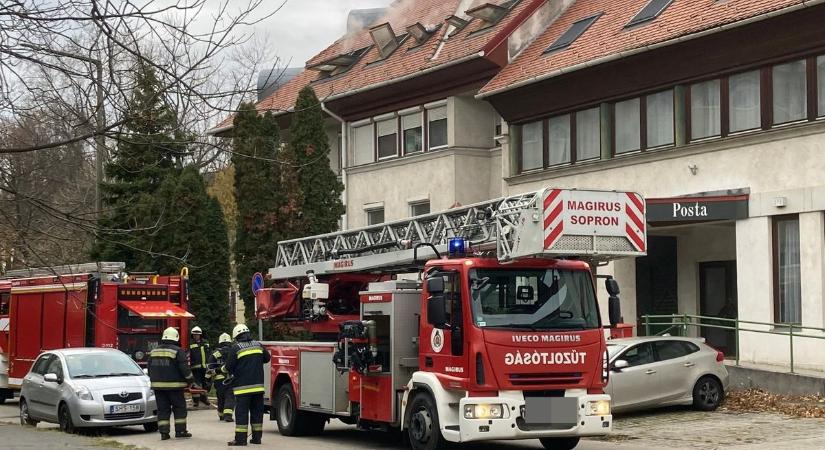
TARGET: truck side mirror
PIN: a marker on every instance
(435, 285)
(614, 310)
(437, 310)
(612, 286)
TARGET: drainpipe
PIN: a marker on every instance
(343, 159)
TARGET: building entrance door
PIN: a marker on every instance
(717, 298)
(656, 282)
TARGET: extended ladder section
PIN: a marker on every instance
(71, 269)
(596, 225)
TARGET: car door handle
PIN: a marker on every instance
(689, 364)
(650, 372)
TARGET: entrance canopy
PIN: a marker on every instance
(156, 310)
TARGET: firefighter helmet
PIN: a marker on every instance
(224, 337)
(197, 330)
(239, 330)
(170, 334)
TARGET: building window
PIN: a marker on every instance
(363, 141)
(790, 92)
(413, 136)
(419, 208)
(744, 101)
(705, 110)
(820, 77)
(532, 145)
(588, 134)
(437, 127)
(387, 138)
(375, 216)
(660, 119)
(787, 271)
(628, 123)
(559, 140)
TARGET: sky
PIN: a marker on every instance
(302, 28)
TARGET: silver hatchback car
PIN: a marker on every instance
(87, 387)
(650, 372)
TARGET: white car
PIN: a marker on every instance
(87, 387)
(651, 372)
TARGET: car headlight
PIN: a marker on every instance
(83, 393)
(484, 411)
(598, 408)
(151, 395)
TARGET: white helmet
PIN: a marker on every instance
(170, 334)
(239, 330)
(224, 337)
(197, 330)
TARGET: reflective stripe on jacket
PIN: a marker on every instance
(245, 361)
(168, 368)
(197, 355)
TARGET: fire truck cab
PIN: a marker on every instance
(499, 336)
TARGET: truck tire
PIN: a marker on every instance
(566, 443)
(423, 431)
(291, 420)
(707, 394)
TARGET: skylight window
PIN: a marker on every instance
(456, 22)
(338, 64)
(420, 33)
(651, 11)
(384, 38)
(489, 13)
(574, 32)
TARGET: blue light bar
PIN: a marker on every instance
(457, 246)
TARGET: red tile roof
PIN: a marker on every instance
(367, 73)
(609, 37)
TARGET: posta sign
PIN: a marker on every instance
(594, 213)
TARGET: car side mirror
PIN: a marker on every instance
(620, 364)
(437, 311)
(51, 378)
(145, 371)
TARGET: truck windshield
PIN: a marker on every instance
(536, 299)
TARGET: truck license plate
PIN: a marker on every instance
(123, 409)
(551, 410)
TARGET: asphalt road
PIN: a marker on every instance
(209, 433)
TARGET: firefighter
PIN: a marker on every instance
(245, 363)
(226, 400)
(170, 375)
(198, 350)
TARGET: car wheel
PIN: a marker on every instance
(707, 394)
(151, 427)
(64, 419)
(25, 418)
(568, 443)
(423, 431)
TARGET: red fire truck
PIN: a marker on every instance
(85, 305)
(478, 323)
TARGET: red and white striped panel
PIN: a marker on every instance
(635, 226)
(553, 217)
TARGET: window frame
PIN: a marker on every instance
(777, 305)
(806, 95)
(413, 204)
(377, 123)
(543, 148)
(373, 151)
(726, 107)
(369, 211)
(429, 122)
(402, 133)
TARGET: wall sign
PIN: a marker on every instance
(697, 209)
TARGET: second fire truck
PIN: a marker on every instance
(475, 324)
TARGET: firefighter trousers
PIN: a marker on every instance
(249, 412)
(226, 399)
(168, 402)
(200, 378)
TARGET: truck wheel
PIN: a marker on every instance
(568, 443)
(25, 418)
(423, 430)
(291, 420)
(707, 394)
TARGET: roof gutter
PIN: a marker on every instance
(463, 60)
(218, 130)
(636, 51)
(343, 156)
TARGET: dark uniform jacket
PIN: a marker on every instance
(217, 358)
(168, 368)
(245, 362)
(197, 354)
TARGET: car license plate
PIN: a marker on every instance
(551, 410)
(123, 409)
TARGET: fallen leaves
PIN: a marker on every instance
(755, 400)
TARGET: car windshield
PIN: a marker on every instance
(614, 349)
(535, 299)
(101, 365)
